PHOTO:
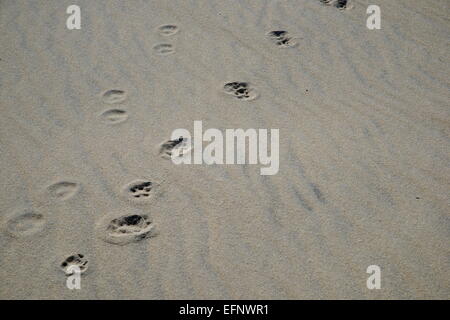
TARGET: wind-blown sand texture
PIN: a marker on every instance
(364, 175)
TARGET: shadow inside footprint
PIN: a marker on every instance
(164, 49)
(114, 96)
(140, 191)
(342, 4)
(128, 228)
(240, 90)
(25, 223)
(73, 263)
(175, 148)
(282, 39)
(63, 190)
(167, 29)
(114, 116)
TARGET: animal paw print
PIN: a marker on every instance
(114, 96)
(241, 90)
(141, 189)
(164, 49)
(25, 223)
(167, 29)
(175, 148)
(128, 228)
(282, 39)
(72, 262)
(114, 116)
(340, 4)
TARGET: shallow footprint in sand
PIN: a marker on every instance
(114, 116)
(164, 49)
(76, 260)
(241, 90)
(63, 190)
(175, 148)
(125, 229)
(25, 223)
(167, 29)
(114, 96)
(282, 39)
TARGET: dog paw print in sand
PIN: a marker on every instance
(126, 229)
(140, 191)
(71, 263)
(164, 49)
(114, 96)
(167, 30)
(340, 4)
(241, 90)
(175, 148)
(25, 223)
(343, 4)
(114, 116)
(282, 39)
(63, 190)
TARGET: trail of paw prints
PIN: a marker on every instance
(241, 90)
(164, 49)
(114, 116)
(126, 229)
(175, 148)
(340, 4)
(74, 262)
(63, 190)
(282, 39)
(25, 223)
(114, 96)
(167, 30)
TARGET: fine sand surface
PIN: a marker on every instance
(364, 174)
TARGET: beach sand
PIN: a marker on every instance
(364, 150)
